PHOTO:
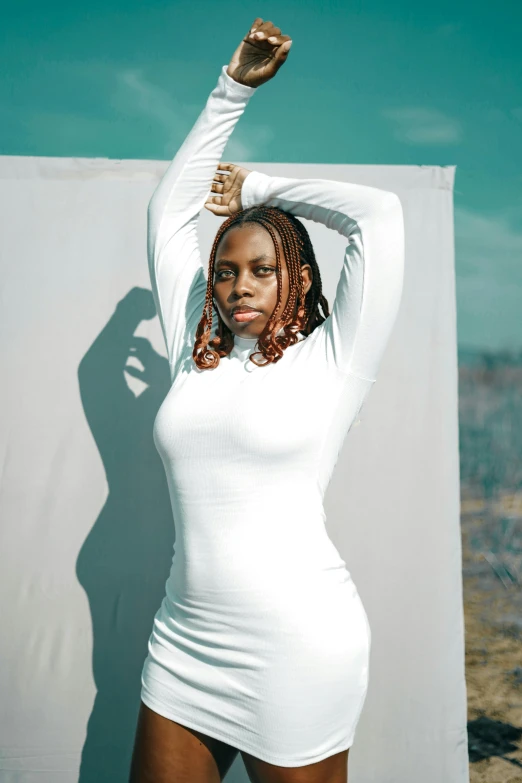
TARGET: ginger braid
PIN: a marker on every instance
(298, 250)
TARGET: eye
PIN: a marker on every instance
(266, 268)
(219, 275)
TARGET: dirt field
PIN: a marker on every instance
(490, 441)
(492, 572)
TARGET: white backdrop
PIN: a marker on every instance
(86, 529)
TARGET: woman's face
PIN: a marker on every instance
(245, 277)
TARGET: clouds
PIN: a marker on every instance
(248, 143)
(135, 93)
(489, 279)
(489, 237)
(421, 125)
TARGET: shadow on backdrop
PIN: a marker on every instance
(125, 560)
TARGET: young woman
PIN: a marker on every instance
(261, 644)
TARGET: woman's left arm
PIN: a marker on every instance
(369, 290)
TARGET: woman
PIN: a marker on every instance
(261, 644)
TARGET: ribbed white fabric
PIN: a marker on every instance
(262, 640)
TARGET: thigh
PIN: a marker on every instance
(334, 769)
(167, 752)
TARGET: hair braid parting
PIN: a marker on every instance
(298, 250)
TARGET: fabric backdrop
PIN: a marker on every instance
(86, 529)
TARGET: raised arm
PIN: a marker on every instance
(354, 336)
(176, 272)
(370, 285)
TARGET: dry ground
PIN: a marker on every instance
(492, 573)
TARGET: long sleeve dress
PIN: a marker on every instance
(262, 640)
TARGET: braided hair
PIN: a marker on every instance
(298, 250)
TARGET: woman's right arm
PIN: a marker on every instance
(176, 272)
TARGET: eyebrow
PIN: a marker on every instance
(262, 257)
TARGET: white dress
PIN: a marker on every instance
(261, 640)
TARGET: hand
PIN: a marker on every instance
(138, 302)
(259, 55)
(229, 185)
(155, 367)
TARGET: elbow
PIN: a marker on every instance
(383, 208)
(152, 208)
(390, 204)
(388, 213)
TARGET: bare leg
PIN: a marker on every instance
(334, 769)
(167, 752)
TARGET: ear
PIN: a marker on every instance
(307, 275)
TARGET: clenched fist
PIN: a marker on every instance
(259, 55)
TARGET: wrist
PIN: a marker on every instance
(232, 77)
(235, 85)
(254, 189)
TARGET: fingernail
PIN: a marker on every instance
(272, 38)
(286, 46)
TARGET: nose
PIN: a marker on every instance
(244, 284)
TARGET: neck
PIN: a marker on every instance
(249, 342)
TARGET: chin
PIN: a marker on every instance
(248, 330)
(246, 333)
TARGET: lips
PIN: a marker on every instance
(244, 309)
(245, 314)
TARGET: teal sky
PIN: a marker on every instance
(365, 82)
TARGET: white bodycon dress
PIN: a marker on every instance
(261, 640)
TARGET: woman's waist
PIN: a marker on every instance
(244, 521)
(256, 541)
(253, 566)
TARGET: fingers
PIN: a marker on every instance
(140, 345)
(265, 30)
(277, 40)
(215, 204)
(217, 209)
(255, 24)
(282, 53)
(228, 168)
(134, 371)
(216, 187)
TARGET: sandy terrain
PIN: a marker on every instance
(492, 571)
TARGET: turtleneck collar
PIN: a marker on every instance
(247, 345)
(243, 347)
(247, 342)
